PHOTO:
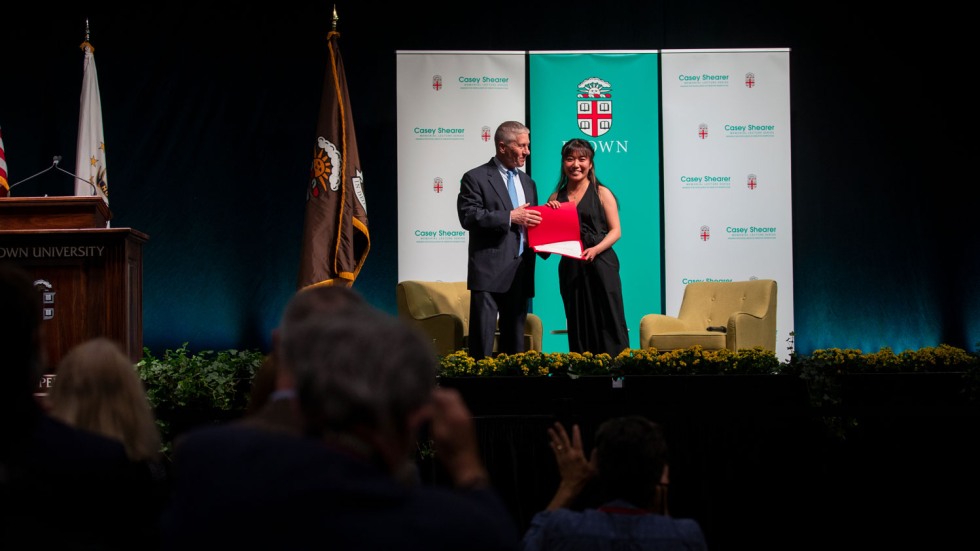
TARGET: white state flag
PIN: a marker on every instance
(90, 155)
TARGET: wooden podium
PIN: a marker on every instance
(91, 276)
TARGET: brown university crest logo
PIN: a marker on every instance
(594, 107)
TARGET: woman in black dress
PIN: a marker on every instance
(590, 287)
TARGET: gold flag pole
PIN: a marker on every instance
(334, 26)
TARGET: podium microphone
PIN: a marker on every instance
(57, 159)
(54, 165)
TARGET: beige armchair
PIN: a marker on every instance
(717, 315)
(442, 310)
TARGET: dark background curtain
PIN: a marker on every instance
(210, 112)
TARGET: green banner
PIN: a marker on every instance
(612, 100)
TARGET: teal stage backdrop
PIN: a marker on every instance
(627, 160)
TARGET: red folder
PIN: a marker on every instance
(558, 231)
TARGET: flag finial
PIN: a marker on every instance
(88, 35)
(335, 18)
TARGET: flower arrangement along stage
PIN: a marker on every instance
(697, 361)
(649, 361)
(825, 372)
(212, 386)
(221, 380)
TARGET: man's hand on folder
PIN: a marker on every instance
(524, 216)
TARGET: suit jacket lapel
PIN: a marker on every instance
(493, 176)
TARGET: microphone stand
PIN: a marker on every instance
(54, 165)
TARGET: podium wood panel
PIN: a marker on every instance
(53, 213)
(93, 280)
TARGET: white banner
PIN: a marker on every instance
(449, 105)
(727, 173)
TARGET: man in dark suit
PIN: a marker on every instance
(500, 269)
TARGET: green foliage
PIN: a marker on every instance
(207, 379)
(182, 385)
(933, 359)
(824, 371)
(972, 377)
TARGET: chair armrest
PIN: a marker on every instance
(652, 324)
(749, 331)
(534, 328)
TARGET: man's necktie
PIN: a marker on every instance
(512, 190)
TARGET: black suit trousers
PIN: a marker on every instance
(511, 307)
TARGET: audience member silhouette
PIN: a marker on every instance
(272, 403)
(365, 385)
(263, 385)
(629, 466)
(60, 487)
(97, 389)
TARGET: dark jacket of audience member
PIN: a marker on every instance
(60, 487)
(365, 385)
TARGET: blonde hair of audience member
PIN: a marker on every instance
(97, 388)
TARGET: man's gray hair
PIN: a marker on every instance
(508, 131)
(365, 368)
